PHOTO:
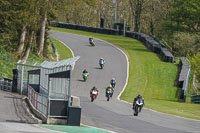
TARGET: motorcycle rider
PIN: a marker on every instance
(101, 61)
(109, 87)
(85, 71)
(139, 96)
(94, 89)
(91, 40)
(113, 82)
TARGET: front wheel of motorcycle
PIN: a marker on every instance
(92, 99)
(108, 98)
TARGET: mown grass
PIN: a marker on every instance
(63, 51)
(149, 76)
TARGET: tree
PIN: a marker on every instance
(28, 48)
(43, 27)
(136, 8)
(195, 61)
(185, 15)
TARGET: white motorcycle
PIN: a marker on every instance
(137, 107)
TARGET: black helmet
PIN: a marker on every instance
(139, 96)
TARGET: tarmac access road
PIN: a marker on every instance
(15, 117)
(114, 115)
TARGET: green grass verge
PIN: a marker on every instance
(8, 60)
(7, 63)
(63, 51)
(149, 76)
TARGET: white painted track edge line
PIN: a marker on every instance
(127, 81)
(67, 47)
(118, 97)
(127, 71)
(70, 50)
(81, 123)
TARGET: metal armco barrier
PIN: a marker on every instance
(195, 99)
(6, 84)
(150, 42)
(184, 76)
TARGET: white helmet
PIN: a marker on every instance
(113, 78)
(101, 58)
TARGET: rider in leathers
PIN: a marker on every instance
(113, 82)
(95, 89)
(139, 96)
(109, 87)
(101, 61)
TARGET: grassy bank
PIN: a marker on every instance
(8, 60)
(7, 63)
(63, 51)
(149, 76)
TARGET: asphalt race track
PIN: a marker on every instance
(14, 116)
(114, 115)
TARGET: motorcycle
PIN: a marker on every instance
(91, 41)
(113, 84)
(101, 64)
(109, 94)
(85, 75)
(137, 107)
(93, 95)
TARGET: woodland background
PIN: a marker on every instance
(24, 24)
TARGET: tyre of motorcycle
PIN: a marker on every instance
(136, 111)
(84, 78)
(92, 98)
(108, 98)
(101, 65)
(140, 109)
(92, 43)
(113, 85)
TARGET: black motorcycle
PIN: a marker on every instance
(113, 84)
(109, 94)
(137, 107)
(91, 41)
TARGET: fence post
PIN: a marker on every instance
(0, 84)
(22, 78)
(7, 85)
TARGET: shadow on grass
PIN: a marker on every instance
(166, 100)
(141, 50)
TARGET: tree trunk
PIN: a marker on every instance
(28, 48)
(42, 34)
(151, 19)
(22, 39)
(136, 7)
(138, 15)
